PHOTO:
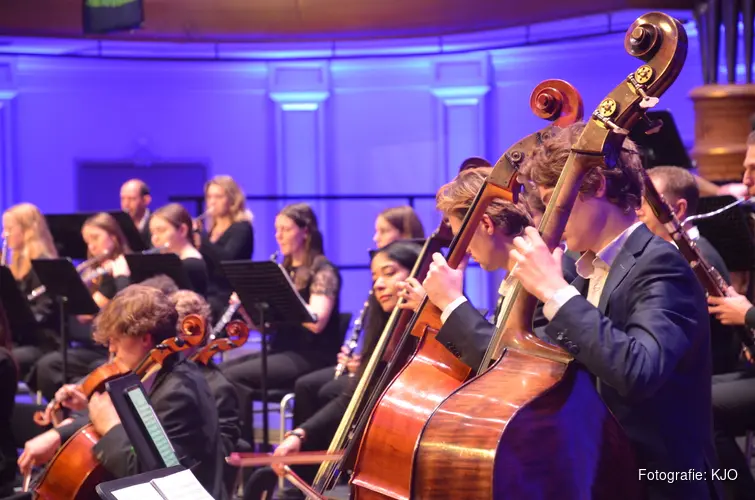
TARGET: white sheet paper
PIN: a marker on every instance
(144, 491)
(180, 486)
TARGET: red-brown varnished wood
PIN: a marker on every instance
(60, 480)
(498, 441)
(395, 424)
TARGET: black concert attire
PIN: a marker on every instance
(186, 408)
(196, 271)
(236, 243)
(143, 228)
(8, 453)
(84, 354)
(30, 346)
(227, 403)
(294, 350)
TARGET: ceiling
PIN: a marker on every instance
(298, 20)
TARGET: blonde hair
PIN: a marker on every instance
(456, 197)
(38, 243)
(107, 223)
(236, 198)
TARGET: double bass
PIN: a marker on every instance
(532, 425)
(384, 464)
(74, 472)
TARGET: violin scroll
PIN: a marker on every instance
(194, 329)
(238, 332)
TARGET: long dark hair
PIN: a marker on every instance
(304, 217)
(405, 254)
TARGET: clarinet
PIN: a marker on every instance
(355, 333)
(231, 309)
(708, 276)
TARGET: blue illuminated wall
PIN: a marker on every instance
(382, 124)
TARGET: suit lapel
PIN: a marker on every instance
(623, 263)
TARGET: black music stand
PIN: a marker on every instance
(16, 306)
(729, 232)
(665, 147)
(134, 239)
(64, 284)
(270, 299)
(145, 266)
(66, 232)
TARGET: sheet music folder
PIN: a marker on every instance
(173, 483)
(147, 266)
(60, 278)
(266, 282)
(20, 315)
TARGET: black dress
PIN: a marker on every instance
(30, 345)
(236, 243)
(8, 453)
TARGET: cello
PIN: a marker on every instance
(383, 467)
(74, 472)
(532, 425)
(238, 333)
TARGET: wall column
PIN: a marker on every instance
(299, 92)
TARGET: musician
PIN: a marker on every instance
(397, 223)
(28, 238)
(734, 393)
(226, 400)
(171, 228)
(317, 423)
(106, 248)
(635, 317)
(227, 235)
(466, 332)
(8, 387)
(162, 282)
(297, 350)
(320, 386)
(135, 200)
(679, 189)
(133, 323)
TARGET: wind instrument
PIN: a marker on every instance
(356, 331)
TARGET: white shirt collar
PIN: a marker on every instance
(603, 260)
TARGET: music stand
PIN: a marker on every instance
(108, 489)
(145, 266)
(66, 232)
(134, 239)
(270, 299)
(151, 445)
(664, 147)
(728, 232)
(64, 284)
(20, 316)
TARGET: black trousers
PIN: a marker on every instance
(47, 374)
(26, 356)
(283, 368)
(315, 390)
(734, 415)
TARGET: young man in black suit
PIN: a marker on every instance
(635, 317)
(465, 332)
(131, 324)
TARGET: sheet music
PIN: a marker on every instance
(154, 429)
(144, 491)
(180, 486)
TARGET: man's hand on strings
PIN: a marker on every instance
(102, 413)
(442, 283)
(537, 269)
(729, 310)
(71, 397)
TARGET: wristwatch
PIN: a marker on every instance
(297, 433)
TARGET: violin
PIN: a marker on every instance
(238, 333)
(532, 424)
(74, 472)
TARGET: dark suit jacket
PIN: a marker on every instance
(8, 455)
(185, 406)
(466, 333)
(227, 403)
(648, 343)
